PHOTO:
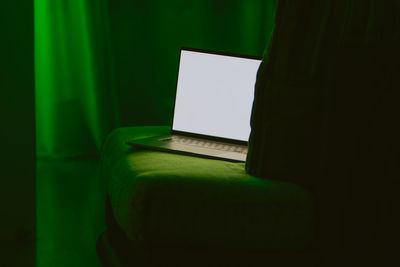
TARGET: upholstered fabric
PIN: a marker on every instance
(167, 198)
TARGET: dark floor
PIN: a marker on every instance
(70, 197)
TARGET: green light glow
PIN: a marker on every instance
(71, 103)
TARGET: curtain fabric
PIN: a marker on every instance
(288, 97)
(75, 92)
(325, 117)
(102, 64)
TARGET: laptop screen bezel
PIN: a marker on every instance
(190, 134)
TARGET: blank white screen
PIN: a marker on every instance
(215, 94)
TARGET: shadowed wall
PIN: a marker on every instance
(17, 131)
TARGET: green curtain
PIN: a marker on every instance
(75, 95)
(103, 64)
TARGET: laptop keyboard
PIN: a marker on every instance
(206, 144)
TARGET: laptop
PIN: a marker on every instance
(213, 103)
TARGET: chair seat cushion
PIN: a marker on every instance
(159, 197)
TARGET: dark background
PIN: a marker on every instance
(17, 132)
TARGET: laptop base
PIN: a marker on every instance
(161, 143)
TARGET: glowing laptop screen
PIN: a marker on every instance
(215, 95)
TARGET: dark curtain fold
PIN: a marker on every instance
(325, 117)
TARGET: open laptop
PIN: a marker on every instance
(213, 102)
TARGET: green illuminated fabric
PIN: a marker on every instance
(167, 198)
(77, 100)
